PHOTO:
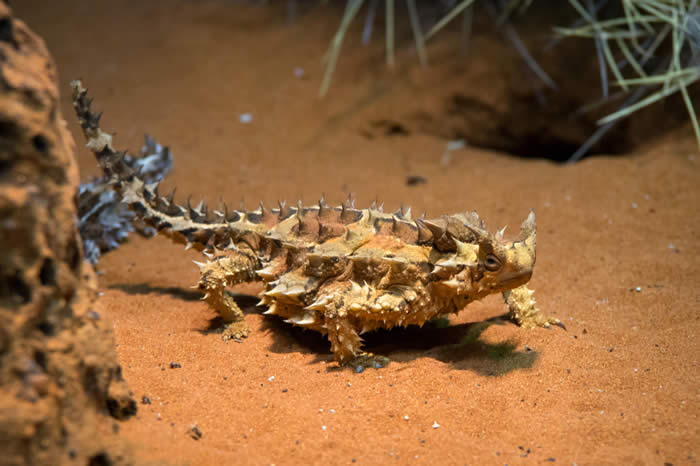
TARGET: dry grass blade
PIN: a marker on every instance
(417, 32)
(467, 21)
(369, 22)
(513, 36)
(599, 51)
(390, 32)
(350, 12)
(449, 17)
(630, 57)
(655, 97)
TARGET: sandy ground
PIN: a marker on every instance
(617, 260)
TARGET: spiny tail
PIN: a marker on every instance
(196, 227)
(185, 224)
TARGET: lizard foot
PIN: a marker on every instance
(539, 320)
(235, 330)
(364, 360)
(523, 310)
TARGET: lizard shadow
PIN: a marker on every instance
(246, 302)
(459, 345)
(144, 288)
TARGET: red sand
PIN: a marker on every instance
(619, 387)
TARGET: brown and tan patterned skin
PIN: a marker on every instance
(341, 271)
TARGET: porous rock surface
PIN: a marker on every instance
(61, 388)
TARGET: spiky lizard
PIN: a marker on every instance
(341, 271)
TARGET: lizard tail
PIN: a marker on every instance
(194, 226)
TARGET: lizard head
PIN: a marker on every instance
(508, 264)
(471, 262)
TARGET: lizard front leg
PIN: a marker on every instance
(346, 345)
(216, 275)
(336, 303)
(523, 309)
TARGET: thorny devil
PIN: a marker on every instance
(340, 271)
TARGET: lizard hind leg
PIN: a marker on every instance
(215, 276)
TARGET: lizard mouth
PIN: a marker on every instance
(514, 279)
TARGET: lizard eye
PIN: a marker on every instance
(492, 263)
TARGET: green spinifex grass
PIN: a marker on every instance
(650, 47)
(629, 46)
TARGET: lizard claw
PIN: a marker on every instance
(367, 360)
(236, 331)
(548, 324)
(560, 324)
